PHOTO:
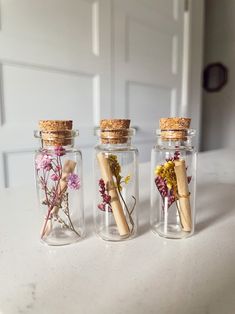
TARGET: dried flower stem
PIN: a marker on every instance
(66, 211)
(51, 166)
(127, 210)
(50, 209)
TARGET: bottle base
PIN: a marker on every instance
(60, 237)
(111, 234)
(171, 231)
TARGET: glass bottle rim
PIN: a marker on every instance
(66, 134)
(115, 133)
(188, 132)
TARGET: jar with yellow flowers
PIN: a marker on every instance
(116, 181)
(173, 179)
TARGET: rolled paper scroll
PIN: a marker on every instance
(183, 195)
(68, 168)
(116, 205)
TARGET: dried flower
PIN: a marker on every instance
(55, 177)
(106, 198)
(59, 151)
(127, 179)
(175, 157)
(167, 172)
(43, 162)
(58, 168)
(119, 180)
(165, 180)
(55, 198)
(74, 182)
(115, 169)
(164, 190)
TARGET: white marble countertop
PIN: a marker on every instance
(145, 275)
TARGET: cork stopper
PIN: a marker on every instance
(56, 132)
(174, 128)
(114, 131)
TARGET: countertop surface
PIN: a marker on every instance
(148, 274)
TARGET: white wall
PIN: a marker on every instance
(218, 110)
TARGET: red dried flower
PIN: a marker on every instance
(106, 198)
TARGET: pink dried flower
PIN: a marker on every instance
(55, 177)
(74, 182)
(58, 168)
(59, 151)
(43, 161)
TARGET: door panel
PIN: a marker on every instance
(55, 64)
(148, 55)
(60, 89)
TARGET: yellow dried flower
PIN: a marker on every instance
(169, 164)
(158, 170)
(127, 179)
(114, 165)
(115, 169)
(167, 172)
(169, 185)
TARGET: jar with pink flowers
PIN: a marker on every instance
(58, 168)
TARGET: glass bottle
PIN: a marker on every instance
(58, 168)
(173, 179)
(116, 181)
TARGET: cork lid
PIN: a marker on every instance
(56, 132)
(174, 128)
(114, 131)
(55, 125)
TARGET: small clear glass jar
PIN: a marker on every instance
(116, 181)
(58, 168)
(173, 180)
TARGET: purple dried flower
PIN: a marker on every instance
(43, 161)
(74, 182)
(106, 198)
(59, 151)
(164, 191)
(175, 157)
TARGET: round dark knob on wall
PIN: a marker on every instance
(215, 77)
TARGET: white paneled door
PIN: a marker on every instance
(55, 64)
(148, 54)
(85, 60)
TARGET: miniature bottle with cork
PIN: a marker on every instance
(116, 181)
(58, 167)
(173, 179)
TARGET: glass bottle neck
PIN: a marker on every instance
(119, 145)
(55, 139)
(172, 139)
(170, 143)
(54, 147)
